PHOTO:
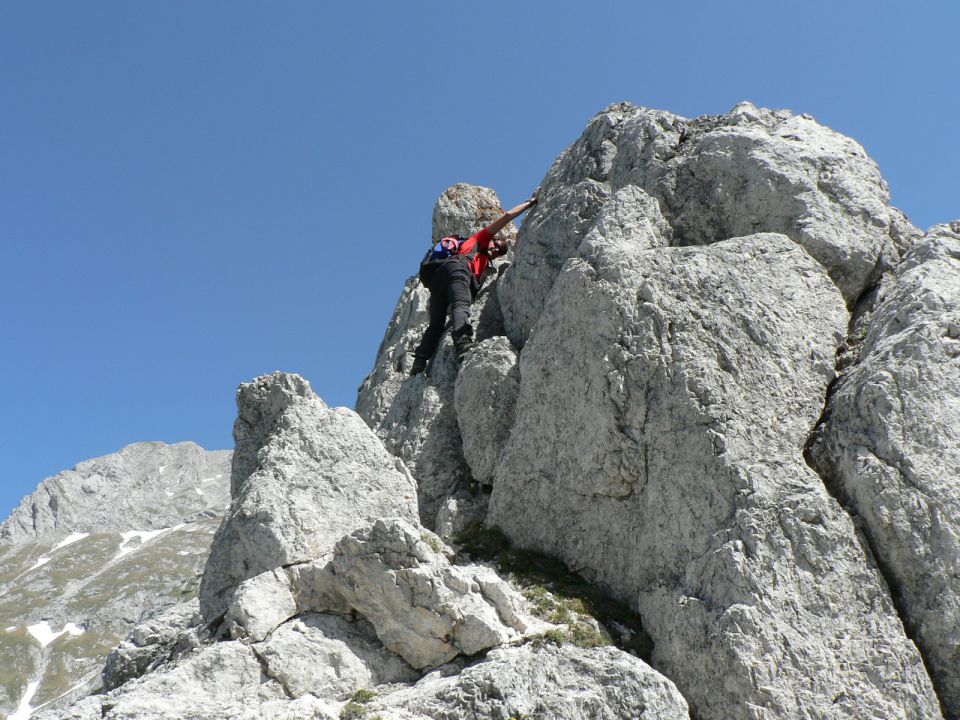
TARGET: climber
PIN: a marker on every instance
(456, 280)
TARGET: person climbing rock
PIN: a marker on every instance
(454, 281)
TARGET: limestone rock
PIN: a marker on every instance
(621, 233)
(891, 447)
(330, 657)
(716, 177)
(145, 486)
(464, 209)
(548, 683)
(260, 604)
(415, 417)
(307, 707)
(314, 587)
(222, 680)
(303, 476)
(551, 234)
(162, 637)
(657, 449)
(485, 394)
(399, 577)
(464, 508)
(754, 170)
(419, 425)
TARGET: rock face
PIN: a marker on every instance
(146, 486)
(549, 682)
(891, 446)
(329, 656)
(672, 472)
(415, 417)
(375, 609)
(485, 395)
(426, 610)
(752, 170)
(153, 643)
(303, 476)
(217, 682)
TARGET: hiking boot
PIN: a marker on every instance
(463, 348)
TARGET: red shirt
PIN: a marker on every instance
(481, 241)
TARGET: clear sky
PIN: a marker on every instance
(195, 193)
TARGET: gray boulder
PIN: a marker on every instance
(467, 507)
(331, 657)
(548, 683)
(159, 639)
(222, 680)
(303, 476)
(657, 449)
(399, 577)
(715, 177)
(415, 417)
(485, 394)
(260, 604)
(891, 447)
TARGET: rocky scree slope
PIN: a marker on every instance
(92, 552)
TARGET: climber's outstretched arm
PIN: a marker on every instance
(512, 214)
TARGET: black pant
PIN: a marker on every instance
(449, 290)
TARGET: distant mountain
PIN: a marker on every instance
(91, 552)
(148, 485)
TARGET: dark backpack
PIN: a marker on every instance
(447, 248)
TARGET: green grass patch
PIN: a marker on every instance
(558, 595)
(20, 657)
(354, 709)
(363, 696)
(435, 543)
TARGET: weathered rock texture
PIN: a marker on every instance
(303, 476)
(548, 683)
(330, 657)
(399, 577)
(716, 177)
(404, 605)
(890, 447)
(678, 297)
(415, 417)
(221, 681)
(154, 642)
(670, 469)
(485, 395)
(145, 486)
(261, 604)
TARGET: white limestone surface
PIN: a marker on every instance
(891, 446)
(303, 476)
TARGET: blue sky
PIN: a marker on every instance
(195, 193)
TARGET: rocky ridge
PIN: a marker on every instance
(675, 311)
(716, 376)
